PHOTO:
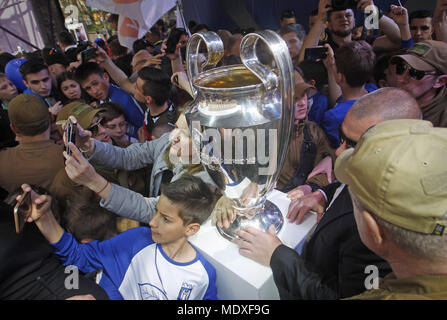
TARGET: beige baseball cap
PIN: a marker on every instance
(398, 171)
(427, 55)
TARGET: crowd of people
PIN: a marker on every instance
(119, 202)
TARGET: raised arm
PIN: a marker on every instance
(42, 215)
(313, 37)
(114, 71)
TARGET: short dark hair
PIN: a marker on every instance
(193, 196)
(86, 219)
(112, 111)
(86, 69)
(66, 38)
(355, 60)
(157, 85)
(288, 14)
(31, 66)
(420, 14)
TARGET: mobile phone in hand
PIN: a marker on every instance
(22, 211)
(315, 53)
(70, 133)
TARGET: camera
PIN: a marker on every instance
(343, 4)
(88, 54)
(315, 53)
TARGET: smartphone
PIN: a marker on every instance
(70, 133)
(22, 211)
(88, 54)
(315, 53)
(50, 101)
(344, 4)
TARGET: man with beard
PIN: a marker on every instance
(341, 23)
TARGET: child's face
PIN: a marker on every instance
(167, 226)
(116, 128)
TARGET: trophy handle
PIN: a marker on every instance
(280, 54)
(271, 81)
(215, 48)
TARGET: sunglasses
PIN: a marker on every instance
(402, 66)
(94, 126)
(349, 143)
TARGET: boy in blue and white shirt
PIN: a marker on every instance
(144, 263)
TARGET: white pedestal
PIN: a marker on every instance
(239, 278)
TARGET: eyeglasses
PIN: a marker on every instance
(402, 66)
(349, 143)
(95, 126)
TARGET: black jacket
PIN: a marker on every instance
(333, 261)
(25, 257)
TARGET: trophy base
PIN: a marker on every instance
(269, 215)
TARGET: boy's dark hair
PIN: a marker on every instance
(287, 14)
(32, 66)
(86, 219)
(420, 14)
(86, 69)
(313, 70)
(157, 84)
(355, 60)
(66, 38)
(193, 196)
(113, 111)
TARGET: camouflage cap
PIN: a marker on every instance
(427, 55)
(397, 171)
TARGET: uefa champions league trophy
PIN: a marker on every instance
(241, 120)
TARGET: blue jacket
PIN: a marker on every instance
(134, 267)
(134, 113)
(334, 117)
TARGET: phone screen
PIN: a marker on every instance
(315, 53)
(22, 211)
(70, 134)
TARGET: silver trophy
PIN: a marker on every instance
(241, 120)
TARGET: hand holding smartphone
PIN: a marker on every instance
(22, 211)
(315, 53)
(70, 133)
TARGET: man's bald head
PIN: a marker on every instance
(375, 107)
(386, 104)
